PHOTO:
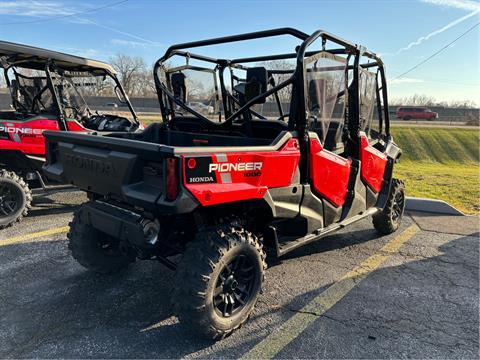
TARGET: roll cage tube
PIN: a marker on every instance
(234, 38)
(385, 100)
(125, 96)
(176, 50)
(62, 124)
(297, 119)
(259, 97)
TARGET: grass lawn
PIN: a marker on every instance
(441, 163)
(457, 184)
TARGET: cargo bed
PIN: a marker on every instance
(126, 170)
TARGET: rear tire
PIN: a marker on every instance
(218, 280)
(15, 198)
(95, 250)
(389, 219)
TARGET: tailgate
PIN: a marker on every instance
(126, 170)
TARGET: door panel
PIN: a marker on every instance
(329, 173)
(373, 164)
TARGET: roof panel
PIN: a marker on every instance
(35, 58)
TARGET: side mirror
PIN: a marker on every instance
(257, 80)
(120, 95)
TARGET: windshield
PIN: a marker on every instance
(325, 87)
(30, 93)
(83, 94)
(197, 89)
(80, 94)
(217, 93)
(72, 102)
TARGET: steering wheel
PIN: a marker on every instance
(314, 123)
(74, 110)
(282, 117)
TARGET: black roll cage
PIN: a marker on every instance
(297, 117)
(50, 66)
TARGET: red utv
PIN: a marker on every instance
(408, 113)
(48, 91)
(290, 154)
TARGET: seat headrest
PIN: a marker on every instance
(257, 80)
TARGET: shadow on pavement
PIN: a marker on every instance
(42, 205)
(334, 242)
(424, 308)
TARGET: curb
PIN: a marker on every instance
(433, 206)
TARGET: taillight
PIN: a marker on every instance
(172, 179)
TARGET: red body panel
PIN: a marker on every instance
(329, 173)
(373, 164)
(27, 136)
(277, 170)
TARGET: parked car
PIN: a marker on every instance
(112, 105)
(201, 107)
(408, 113)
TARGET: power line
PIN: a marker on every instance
(65, 16)
(437, 52)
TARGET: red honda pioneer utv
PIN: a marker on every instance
(48, 91)
(291, 153)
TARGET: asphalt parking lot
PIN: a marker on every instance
(351, 295)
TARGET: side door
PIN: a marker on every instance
(329, 173)
(373, 159)
(373, 163)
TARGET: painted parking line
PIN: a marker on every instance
(28, 237)
(270, 346)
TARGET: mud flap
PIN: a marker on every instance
(120, 224)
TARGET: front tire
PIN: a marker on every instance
(218, 280)
(15, 198)
(96, 250)
(389, 219)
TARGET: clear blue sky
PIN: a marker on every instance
(404, 32)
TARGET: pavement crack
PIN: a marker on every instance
(304, 312)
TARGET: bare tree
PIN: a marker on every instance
(468, 104)
(131, 70)
(419, 100)
(285, 93)
(426, 100)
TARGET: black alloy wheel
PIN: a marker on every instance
(235, 285)
(10, 199)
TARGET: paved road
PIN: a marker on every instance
(352, 295)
